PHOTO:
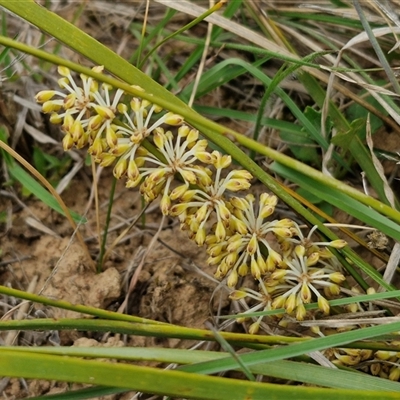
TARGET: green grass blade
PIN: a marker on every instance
(297, 349)
(87, 393)
(129, 328)
(65, 305)
(136, 29)
(217, 76)
(319, 177)
(173, 383)
(356, 147)
(341, 201)
(301, 372)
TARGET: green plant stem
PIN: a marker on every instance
(96, 312)
(143, 329)
(106, 226)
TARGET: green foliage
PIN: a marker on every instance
(303, 147)
(51, 167)
(29, 184)
(358, 112)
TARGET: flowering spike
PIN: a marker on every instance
(254, 327)
(323, 304)
(45, 95)
(120, 168)
(255, 269)
(238, 295)
(64, 71)
(200, 236)
(300, 312)
(173, 119)
(165, 204)
(232, 279)
(338, 244)
(291, 303)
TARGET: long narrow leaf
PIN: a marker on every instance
(173, 383)
(340, 200)
(297, 349)
(301, 372)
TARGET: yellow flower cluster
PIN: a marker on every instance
(201, 189)
(382, 363)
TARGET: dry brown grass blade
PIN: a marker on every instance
(200, 69)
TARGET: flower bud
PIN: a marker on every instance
(51, 106)
(173, 119)
(300, 312)
(305, 293)
(192, 136)
(200, 236)
(243, 269)
(120, 167)
(337, 277)
(45, 95)
(338, 244)
(232, 279)
(69, 101)
(220, 231)
(55, 119)
(111, 137)
(165, 204)
(67, 142)
(63, 71)
(252, 245)
(104, 112)
(254, 327)
(238, 295)
(323, 304)
(291, 303)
